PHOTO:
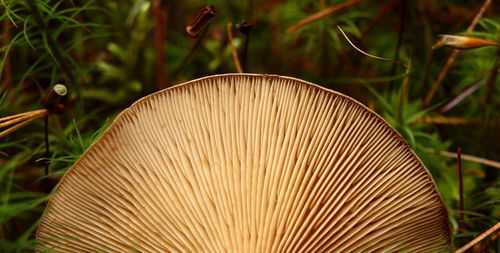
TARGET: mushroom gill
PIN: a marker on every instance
(246, 163)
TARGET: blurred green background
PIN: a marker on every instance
(110, 53)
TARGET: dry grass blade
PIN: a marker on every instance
(15, 122)
(450, 105)
(322, 14)
(234, 52)
(446, 120)
(460, 187)
(370, 55)
(469, 158)
(479, 238)
(7, 118)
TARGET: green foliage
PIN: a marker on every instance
(106, 53)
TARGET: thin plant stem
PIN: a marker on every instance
(460, 186)
(233, 48)
(47, 147)
(469, 158)
(245, 51)
(191, 52)
(160, 19)
(479, 238)
(450, 105)
(446, 120)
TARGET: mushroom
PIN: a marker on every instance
(246, 163)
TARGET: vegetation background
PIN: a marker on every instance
(110, 53)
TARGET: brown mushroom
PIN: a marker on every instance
(247, 163)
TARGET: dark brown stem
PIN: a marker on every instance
(461, 186)
(197, 29)
(160, 18)
(245, 51)
(190, 54)
(244, 27)
(47, 148)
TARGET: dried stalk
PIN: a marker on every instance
(446, 120)
(233, 48)
(160, 28)
(25, 119)
(479, 238)
(469, 158)
(460, 187)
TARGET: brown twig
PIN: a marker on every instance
(487, 244)
(160, 19)
(453, 56)
(233, 48)
(460, 186)
(479, 238)
(469, 158)
(446, 120)
(321, 14)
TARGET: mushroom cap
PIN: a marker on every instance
(247, 163)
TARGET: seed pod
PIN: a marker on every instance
(53, 100)
(201, 21)
(244, 27)
(462, 42)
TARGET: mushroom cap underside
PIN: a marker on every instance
(247, 163)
